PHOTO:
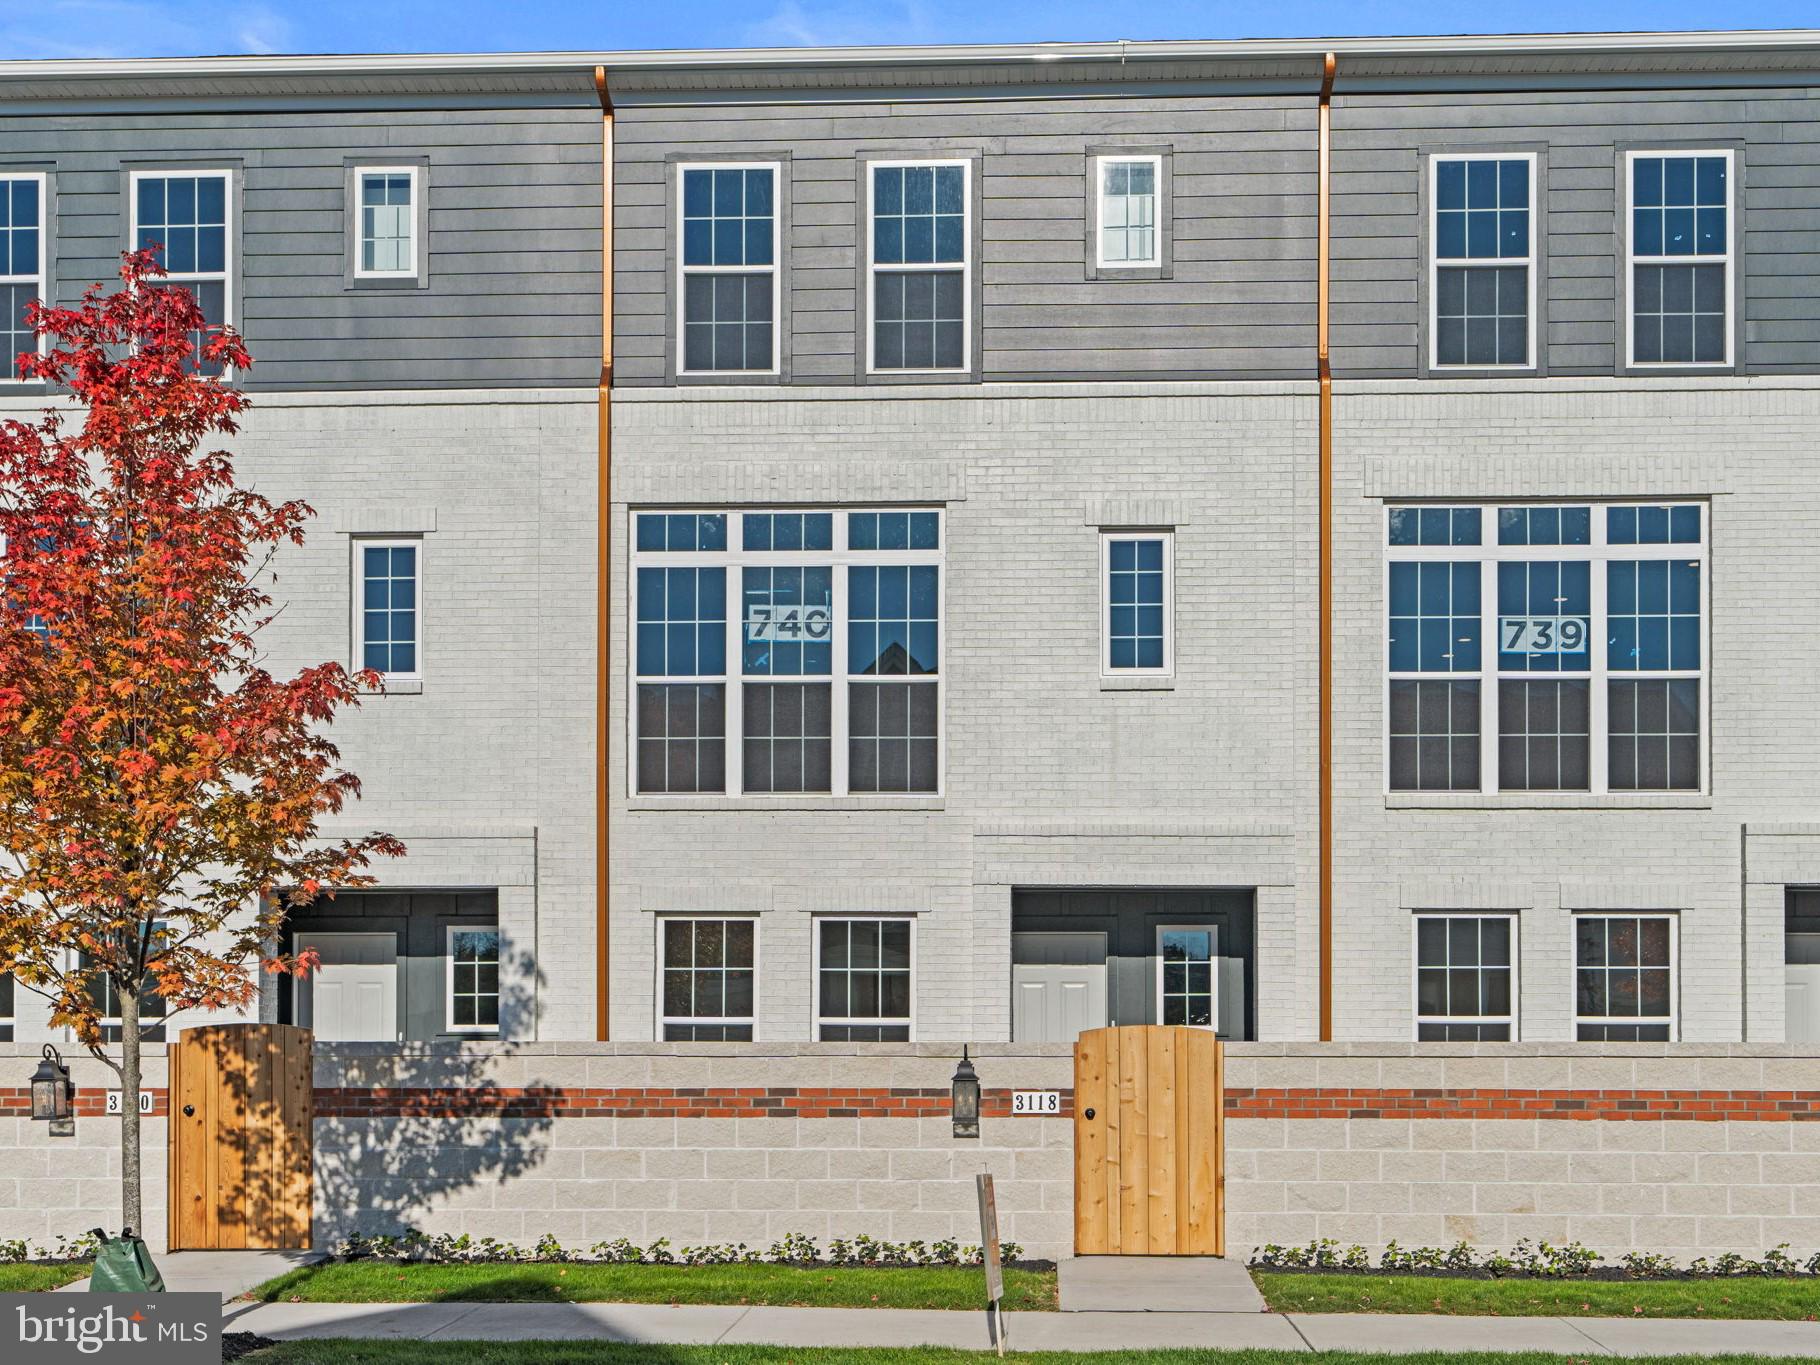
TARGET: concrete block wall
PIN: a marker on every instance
(459, 1168)
(52, 1186)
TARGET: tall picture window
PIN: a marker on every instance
(831, 643)
(1547, 647)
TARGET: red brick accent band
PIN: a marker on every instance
(16, 1103)
(726, 1102)
(1751, 1106)
(787, 1102)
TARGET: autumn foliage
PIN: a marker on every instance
(159, 789)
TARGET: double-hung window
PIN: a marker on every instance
(1680, 258)
(1128, 193)
(1136, 568)
(863, 977)
(1483, 259)
(473, 985)
(1465, 978)
(833, 639)
(729, 287)
(1624, 978)
(190, 215)
(22, 266)
(1546, 648)
(388, 222)
(707, 979)
(920, 267)
(388, 622)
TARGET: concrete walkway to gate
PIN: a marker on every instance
(1079, 1331)
(1157, 1284)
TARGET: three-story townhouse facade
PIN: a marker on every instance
(412, 251)
(992, 588)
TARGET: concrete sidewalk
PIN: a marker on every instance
(227, 1273)
(1078, 1331)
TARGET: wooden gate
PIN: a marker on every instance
(240, 1155)
(1149, 1143)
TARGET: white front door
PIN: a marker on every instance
(1803, 988)
(353, 996)
(1058, 986)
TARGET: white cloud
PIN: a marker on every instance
(138, 28)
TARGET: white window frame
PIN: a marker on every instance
(360, 237)
(1155, 259)
(9, 374)
(1673, 1017)
(1631, 260)
(735, 559)
(874, 268)
(722, 1021)
(1213, 936)
(448, 977)
(1417, 1018)
(230, 230)
(815, 974)
(775, 269)
(1488, 554)
(1107, 539)
(146, 1021)
(1436, 263)
(358, 599)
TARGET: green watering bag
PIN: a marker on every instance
(124, 1266)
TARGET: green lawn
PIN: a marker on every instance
(331, 1352)
(1740, 1297)
(918, 1287)
(19, 1277)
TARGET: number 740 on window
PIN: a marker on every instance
(1542, 634)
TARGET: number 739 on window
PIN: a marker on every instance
(1542, 634)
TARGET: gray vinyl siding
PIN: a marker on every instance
(1241, 302)
(513, 295)
(1380, 241)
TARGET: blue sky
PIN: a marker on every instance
(159, 28)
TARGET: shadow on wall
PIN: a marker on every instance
(442, 1131)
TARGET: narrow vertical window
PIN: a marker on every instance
(22, 267)
(1128, 210)
(388, 622)
(189, 217)
(920, 266)
(1624, 987)
(1187, 988)
(388, 221)
(863, 979)
(682, 688)
(1483, 254)
(893, 660)
(1465, 978)
(6, 1007)
(1680, 258)
(708, 970)
(473, 988)
(787, 639)
(728, 262)
(1433, 644)
(1655, 646)
(1136, 569)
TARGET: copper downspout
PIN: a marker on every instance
(1323, 293)
(604, 561)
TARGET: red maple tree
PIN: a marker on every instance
(159, 789)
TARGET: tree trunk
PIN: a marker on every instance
(131, 1176)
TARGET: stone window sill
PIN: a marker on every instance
(1548, 801)
(761, 805)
